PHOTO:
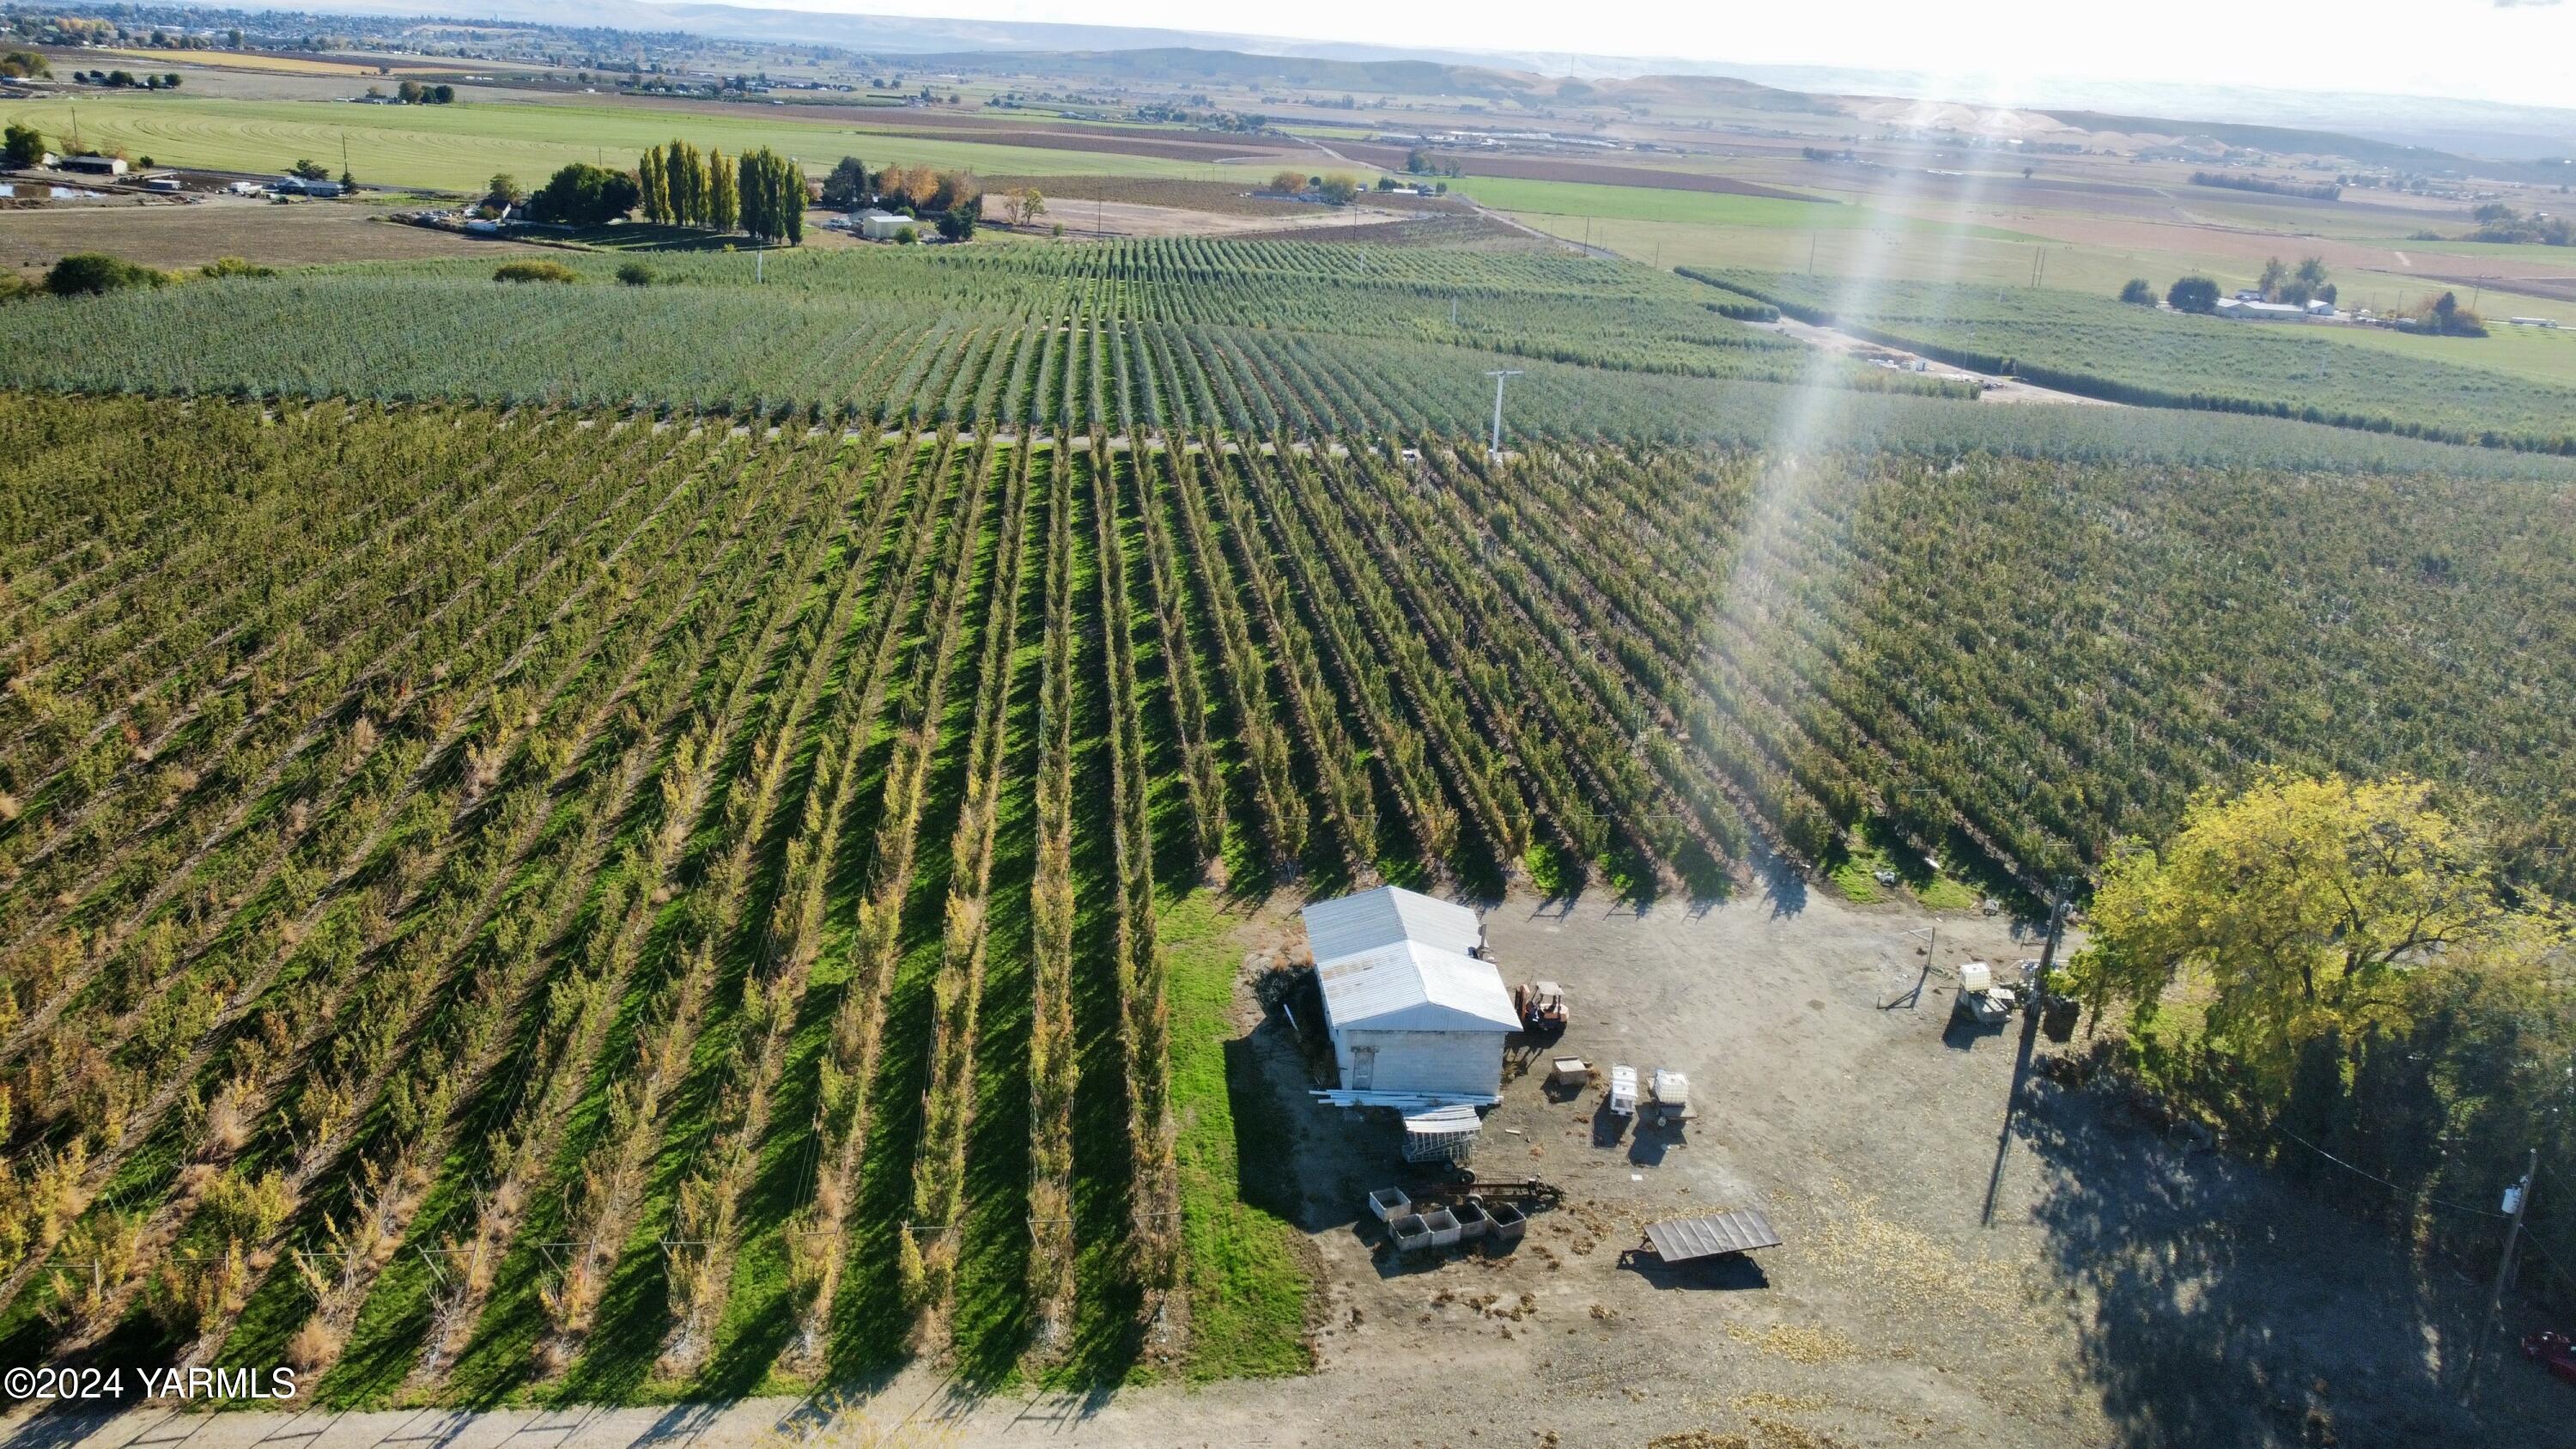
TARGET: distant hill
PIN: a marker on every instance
(2296, 141)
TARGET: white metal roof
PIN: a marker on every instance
(1348, 925)
(1413, 987)
(1397, 960)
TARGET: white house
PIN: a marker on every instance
(1410, 1001)
(878, 225)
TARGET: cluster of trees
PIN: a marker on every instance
(2320, 192)
(923, 190)
(22, 146)
(1335, 190)
(679, 185)
(2296, 286)
(2498, 222)
(128, 80)
(22, 63)
(1419, 162)
(413, 93)
(771, 197)
(2371, 992)
(763, 193)
(2445, 315)
(584, 195)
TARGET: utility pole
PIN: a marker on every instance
(1453, 311)
(1496, 446)
(1811, 254)
(2517, 1201)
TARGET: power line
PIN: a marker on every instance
(2383, 1182)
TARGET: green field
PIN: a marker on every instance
(461, 146)
(2099, 346)
(1700, 208)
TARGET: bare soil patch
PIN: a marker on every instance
(163, 235)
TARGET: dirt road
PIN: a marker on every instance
(1998, 388)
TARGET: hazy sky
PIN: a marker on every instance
(2506, 50)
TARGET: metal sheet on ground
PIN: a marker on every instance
(1679, 1240)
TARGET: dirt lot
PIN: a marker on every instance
(161, 234)
(1966, 1264)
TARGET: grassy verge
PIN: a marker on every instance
(1244, 1265)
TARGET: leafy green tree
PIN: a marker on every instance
(309, 170)
(2274, 274)
(2138, 292)
(634, 274)
(847, 189)
(584, 195)
(23, 146)
(2193, 294)
(19, 63)
(2299, 907)
(92, 272)
(652, 188)
(1337, 189)
(725, 207)
(957, 223)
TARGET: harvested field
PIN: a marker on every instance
(162, 235)
(1210, 152)
(1234, 198)
(1552, 168)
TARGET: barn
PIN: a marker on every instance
(1411, 1002)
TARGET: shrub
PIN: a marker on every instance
(235, 267)
(2138, 292)
(906, 236)
(540, 271)
(635, 274)
(91, 272)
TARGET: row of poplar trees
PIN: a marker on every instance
(762, 194)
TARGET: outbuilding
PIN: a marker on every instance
(1411, 1002)
(878, 225)
(95, 165)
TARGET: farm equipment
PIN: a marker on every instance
(1623, 1090)
(1980, 997)
(1668, 1098)
(1541, 1005)
(1675, 1241)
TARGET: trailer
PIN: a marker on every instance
(1675, 1241)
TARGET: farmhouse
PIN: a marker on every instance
(1410, 1001)
(95, 165)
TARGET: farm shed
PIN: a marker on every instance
(1409, 1001)
(878, 225)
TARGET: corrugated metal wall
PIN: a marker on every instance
(1426, 1061)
